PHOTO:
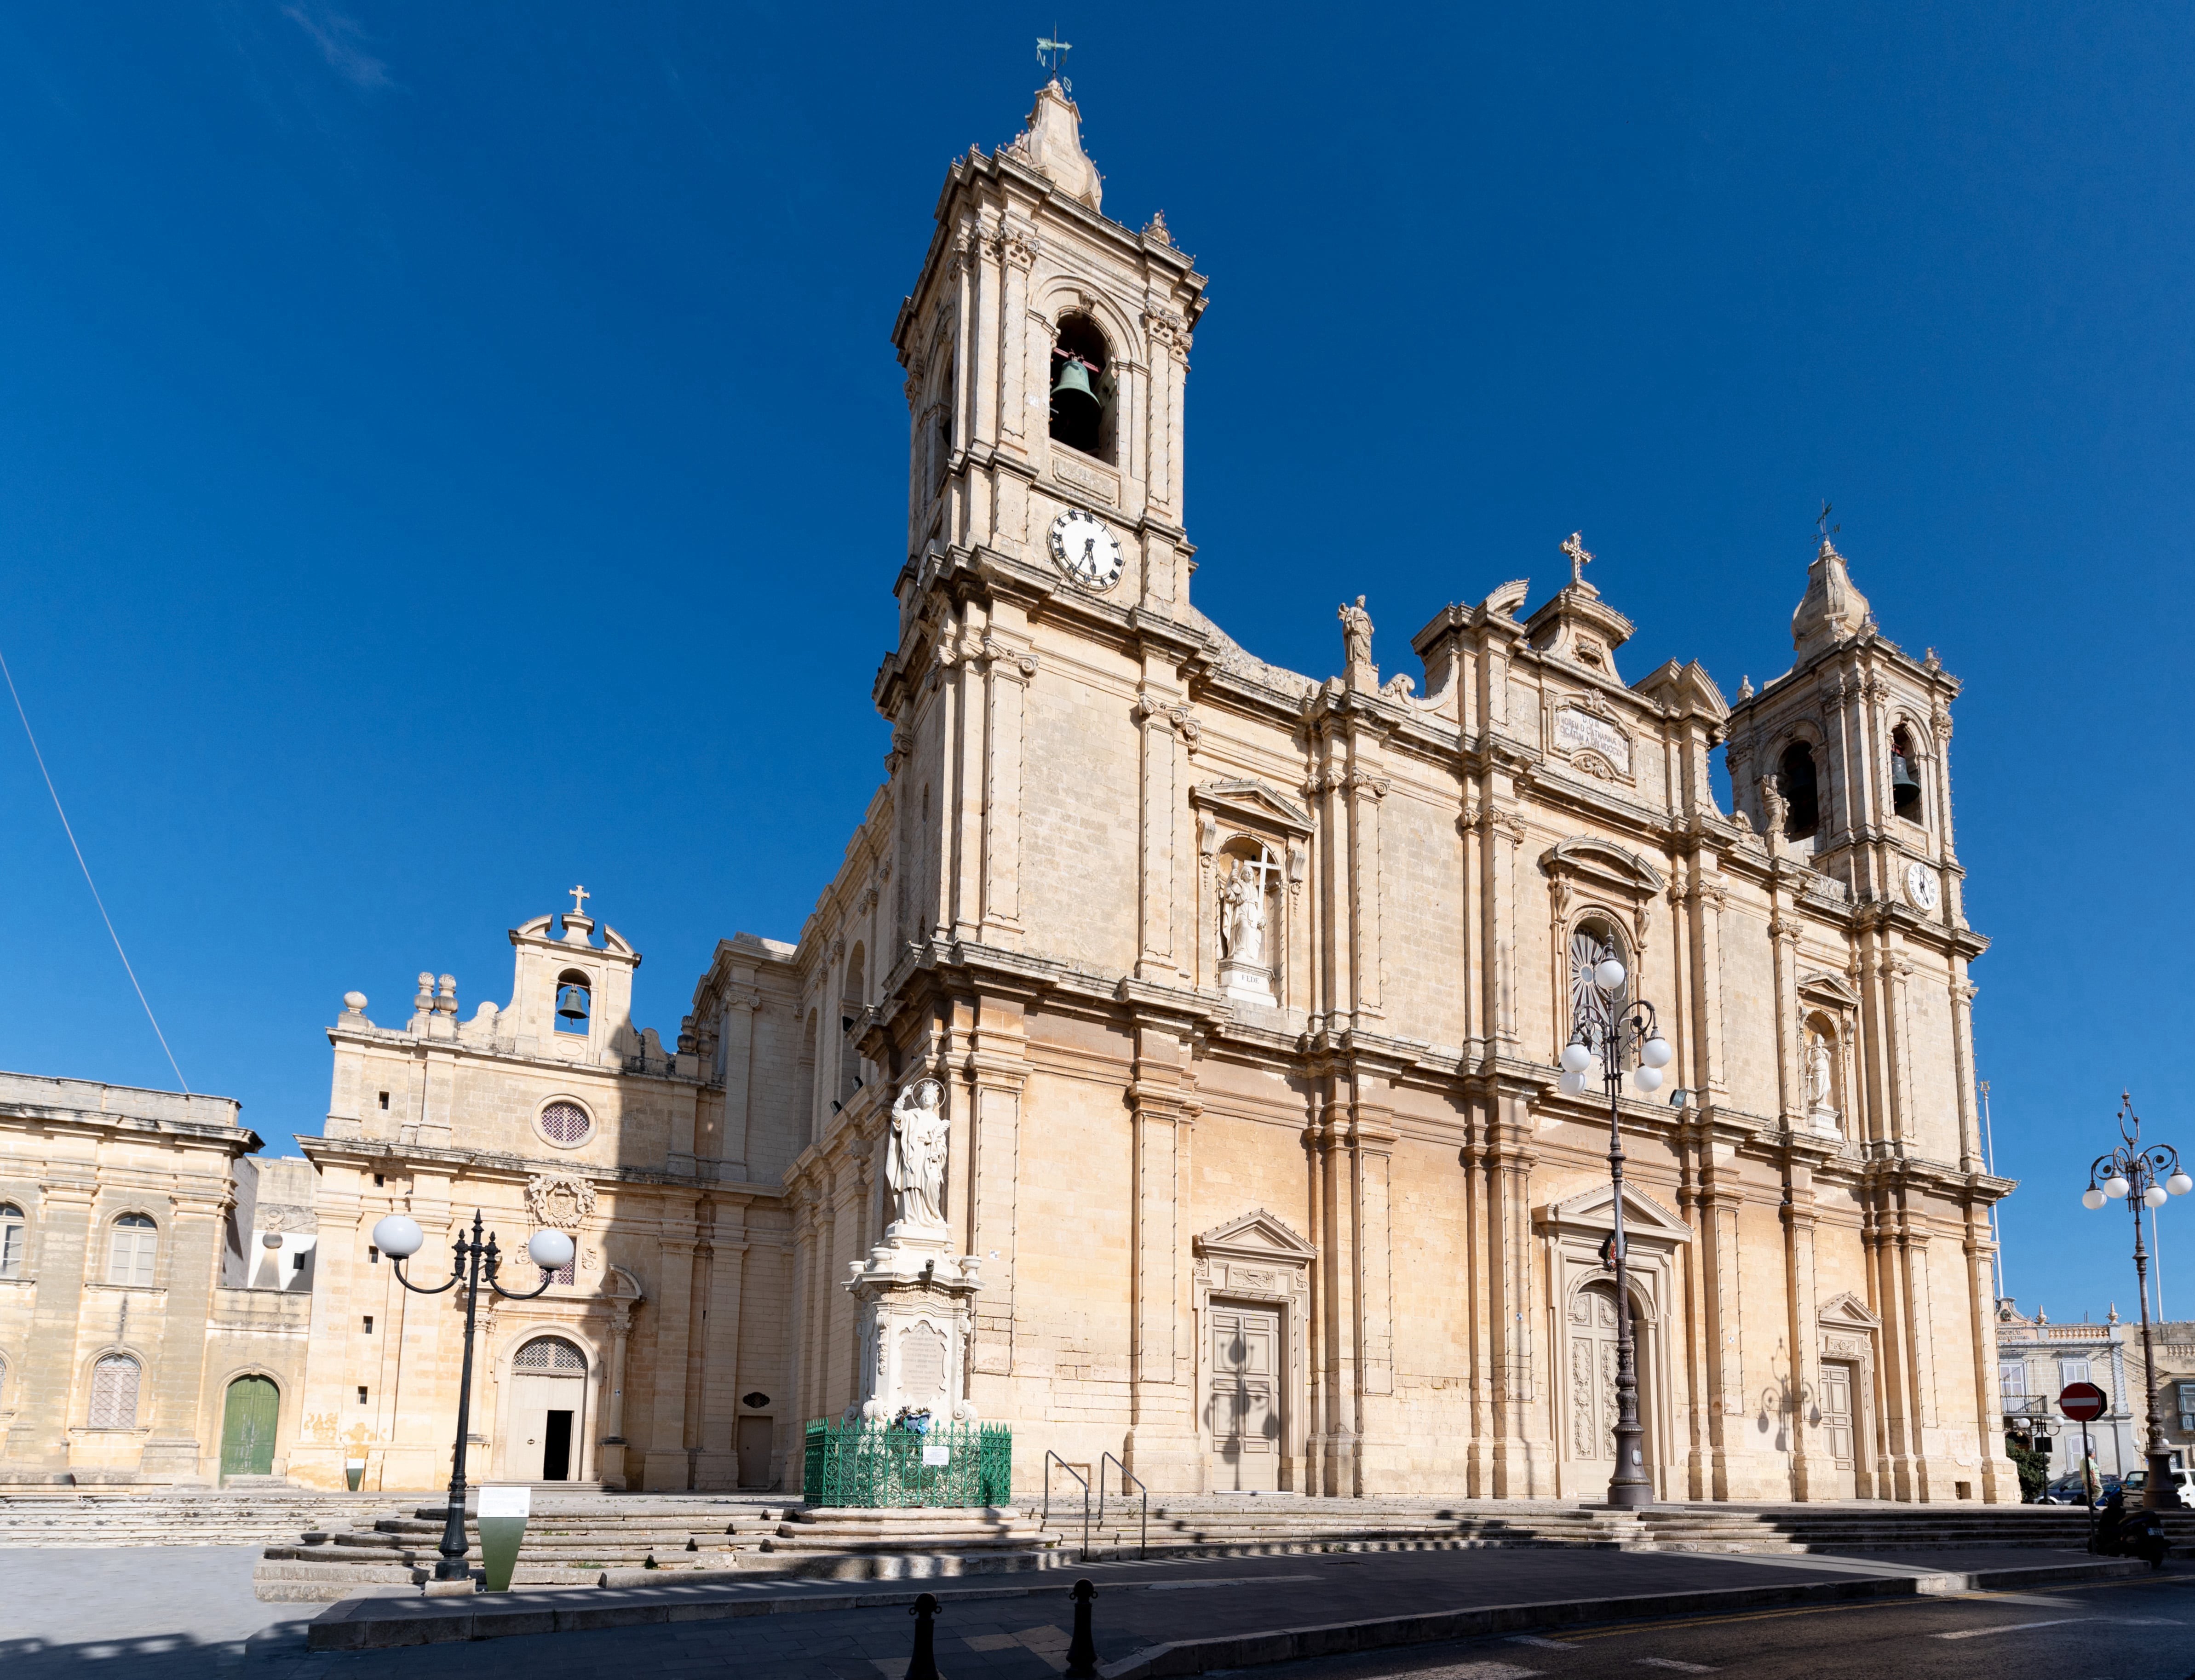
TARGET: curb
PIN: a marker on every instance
(372, 1623)
(1201, 1656)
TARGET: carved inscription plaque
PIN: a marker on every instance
(1579, 731)
(921, 1362)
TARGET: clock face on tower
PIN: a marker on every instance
(1085, 550)
(1921, 887)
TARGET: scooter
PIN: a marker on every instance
(2136, 1533)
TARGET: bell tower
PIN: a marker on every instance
(1046, 350)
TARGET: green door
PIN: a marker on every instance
(247, 1428)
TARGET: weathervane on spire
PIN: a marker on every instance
(1575, 549)
(1055, 47)
(1822, 522)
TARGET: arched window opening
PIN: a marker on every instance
(1803, 801)
(851, 1004)
(1592, 1010)
(114, 1392)
(575, 1002)
(550, 1353)
(129, 1256)
(937, 429)
(14, 1238)
(1084, 394)
(1904, 777)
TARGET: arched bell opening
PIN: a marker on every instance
(575, 1003)
(1084, 393)
(1904, 777)
(1797, 780)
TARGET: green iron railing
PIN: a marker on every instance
(871, 1465)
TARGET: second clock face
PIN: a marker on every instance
(1085, 549)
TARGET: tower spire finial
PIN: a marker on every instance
(1580, 559)
(1047, 44)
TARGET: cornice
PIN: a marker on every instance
(237, 1140)
(497, 1166)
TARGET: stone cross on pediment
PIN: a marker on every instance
(1580, 559)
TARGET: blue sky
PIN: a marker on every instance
(451, 452)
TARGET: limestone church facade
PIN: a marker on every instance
(1242, 991)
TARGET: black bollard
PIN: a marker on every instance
(924, 1666)
(1082, 1649)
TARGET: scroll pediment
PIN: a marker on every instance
(1590, 857)
(1253, 801)
(1593, 1211)
(1256, 1235)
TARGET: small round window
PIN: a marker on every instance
(565, 1122)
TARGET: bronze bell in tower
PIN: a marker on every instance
(1905, 786)
(1071, 395)
(571, 1003)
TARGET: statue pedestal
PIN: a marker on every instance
(1824, 1121)
(915, 1313)
(1252, 982)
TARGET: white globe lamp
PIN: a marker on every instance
(1608, 974)
(398, 1237)
(2115, 1187)
(2091, 1198)
(2180, 1184)
(1656, 1052)
(551, 1250)
(1572, 1083)
(1577, 1058)
(1647, 1079)
(2154, 1196)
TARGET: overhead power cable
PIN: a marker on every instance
(31, 737)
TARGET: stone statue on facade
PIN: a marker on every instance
(1355, 633)
(915, 1158)
(1821, 1076)
(1242, 917)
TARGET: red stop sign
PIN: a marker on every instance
(2081, 1401)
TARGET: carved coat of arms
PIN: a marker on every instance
(562, 1199)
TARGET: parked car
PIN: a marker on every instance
(2066, 1490)
(2136, 1483)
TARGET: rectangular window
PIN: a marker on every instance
(362, 1394)
(372, 1254)
(130, 1260)
(12, 1244)
(2187, 1406)
(2011, 1378)
(297, 1261)
(377, 1181)
(384, 1099)
(369, 1323)
(2072, 1371)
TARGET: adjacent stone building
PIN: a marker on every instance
(147, 1326)
(2035, 1361)
(1243, 989)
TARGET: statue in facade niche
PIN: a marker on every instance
(914, 1160)
(1242, 916)
(1821, 1073)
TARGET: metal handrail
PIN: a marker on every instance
(1045, 1521)
(1127, 1475)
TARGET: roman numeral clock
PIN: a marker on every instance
(1084, 547)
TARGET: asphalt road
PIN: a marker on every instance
(2142, 1629)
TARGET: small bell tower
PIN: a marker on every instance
(1046, 350)
(1842, 761)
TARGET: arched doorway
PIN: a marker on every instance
(248, 1418)
(547, 1408)
(1592, 1360)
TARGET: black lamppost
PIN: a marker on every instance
(1624, 1030)
(2145, 1177)
(399, 1238)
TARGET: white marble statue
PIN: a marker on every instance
(1242, 916)
(1821, 1073)
(914, 1161)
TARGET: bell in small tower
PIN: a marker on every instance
(1905, 786)
(571, 1006)
(1073, 401)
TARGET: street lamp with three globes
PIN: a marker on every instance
(1625, 1032)
(399, 1237)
